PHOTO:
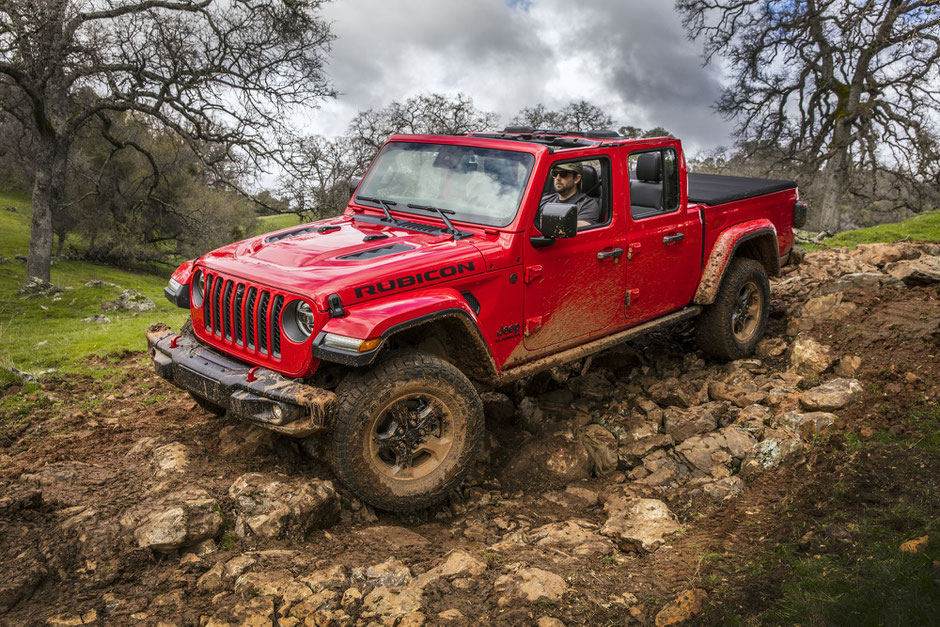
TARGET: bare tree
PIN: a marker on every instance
(848, 89)
(222, 74)
(635, 132)
(577, 116)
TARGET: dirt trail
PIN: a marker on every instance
(83, 457)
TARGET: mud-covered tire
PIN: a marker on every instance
(209, 406)
(730, 327)
(403, 467)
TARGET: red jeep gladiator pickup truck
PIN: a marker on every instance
(459, 265)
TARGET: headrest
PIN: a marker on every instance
(649, 168)
(589, 181)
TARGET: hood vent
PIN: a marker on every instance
(308, 229)
(373, 253)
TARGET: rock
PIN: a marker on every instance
(169, 459)
(771, 452)
(835, 394)
(98, 283)
(771, 347)
(97, 319)
(130, 300)
(639, 525)
(333, 577)
(713, 454)
(548, 621)
(576, 537)
(383, 601)
(687, 605)
(923, 271)
(245, 440)
(265, 583)
(861, 280)
(529, 584)
(38, 287)
(238, 565)
(255, 612)
(918, 545)
(601, 446)
(881, 254)
(19, 583)
(633, 453)
(825, 307)
(848, 366)
(211, 580)
(593, 386)
(352, 599)
(679, 393)
(457, 564)
(530, 416)
(724, 488)
(276, 506)
(683, 424)
(807, 424)
(809, 356)
(557, 459)
(452, 614)
(178, 520)
(10, 208)
(497, 407)
(394, 537)
(660, 468)
(391, 572)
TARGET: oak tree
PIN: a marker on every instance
(848, 90)
(223, 75)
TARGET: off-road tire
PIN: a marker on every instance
(405, 386)
(730, 327)
(209, 406)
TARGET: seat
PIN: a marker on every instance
(646, 192)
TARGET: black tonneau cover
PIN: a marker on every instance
(716, 189)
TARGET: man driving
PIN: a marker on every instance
(566, 178)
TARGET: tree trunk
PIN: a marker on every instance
(47, 195)
(836, 176)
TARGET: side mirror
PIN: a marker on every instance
(559, 220)
(353, 184)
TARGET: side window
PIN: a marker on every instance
(585, 183)
(654, 182)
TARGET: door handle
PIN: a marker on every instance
(674, 238)
(609, 254)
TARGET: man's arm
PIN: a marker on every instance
(589, 212)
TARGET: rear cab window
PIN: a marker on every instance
(654, 182)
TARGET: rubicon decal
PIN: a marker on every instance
(413, 279)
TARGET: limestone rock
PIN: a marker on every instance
(530, 415)
(679, 393)
(724, 488)
(332, 577)
(633, 453)
(687, 605)
(826, 307)
(264, 583)
(169, 459)
(384, 601)
(881, 254)
(529, 584)
(923, 271)
(211, 580)
(557, 459)
(456, 564)
(97, 319)
(640, 525)
(601, 446)
(391, 572)
(130, 300)
(714, 453)
(683, 424)
(497, 407)
(244, 440)
(38, 287)
(576, 537)
(593, 386)
(771, 347)
(278, 506)
(861, 280)
(835, 394)
(178, 520)
(807, 424)
(809, 356)
(770, 453)
(848, 366)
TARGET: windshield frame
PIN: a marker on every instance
(528, 158)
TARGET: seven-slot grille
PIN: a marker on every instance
(242, 314)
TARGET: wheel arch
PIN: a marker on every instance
(757, 241)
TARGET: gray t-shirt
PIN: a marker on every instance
(589, 209)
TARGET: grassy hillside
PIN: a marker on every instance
(39, 333)
(922, 228)
(266, 224)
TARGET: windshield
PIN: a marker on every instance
(479, 185)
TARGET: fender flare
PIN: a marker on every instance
(386, 317)
(724, 249)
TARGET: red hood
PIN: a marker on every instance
(318, 264)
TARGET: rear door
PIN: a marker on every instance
(664, 234)
(574, 287)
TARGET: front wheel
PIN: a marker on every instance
(730, 327)
(405, 431)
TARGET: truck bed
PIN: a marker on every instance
(716, 189)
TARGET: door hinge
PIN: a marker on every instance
(532, 273)
(532, 325)
(633, 249)
(630, 297)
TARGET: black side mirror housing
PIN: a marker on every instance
(559, 220)
(353, 184)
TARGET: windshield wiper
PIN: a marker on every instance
(384, 204)
(442, 212)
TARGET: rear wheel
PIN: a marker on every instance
(730, 327)
(405, 431)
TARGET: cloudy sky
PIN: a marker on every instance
(629, 57)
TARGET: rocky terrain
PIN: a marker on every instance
(602, 486)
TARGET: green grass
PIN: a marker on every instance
(42, 333)
(922, 228)
(266, 224)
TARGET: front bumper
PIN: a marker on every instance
(261, 396)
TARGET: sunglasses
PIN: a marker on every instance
(562, 173)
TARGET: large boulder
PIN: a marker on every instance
(130, 300)
(529, 585)
(809, 356)
(923, 271)
(835, 394)
(682, 424)
(715, 454)
(881, 254)
(807, 424)
(177, 520)
(553, 460)
(640, 525)
(276, 506)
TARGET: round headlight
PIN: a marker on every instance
(298, 321)
(199, 288)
